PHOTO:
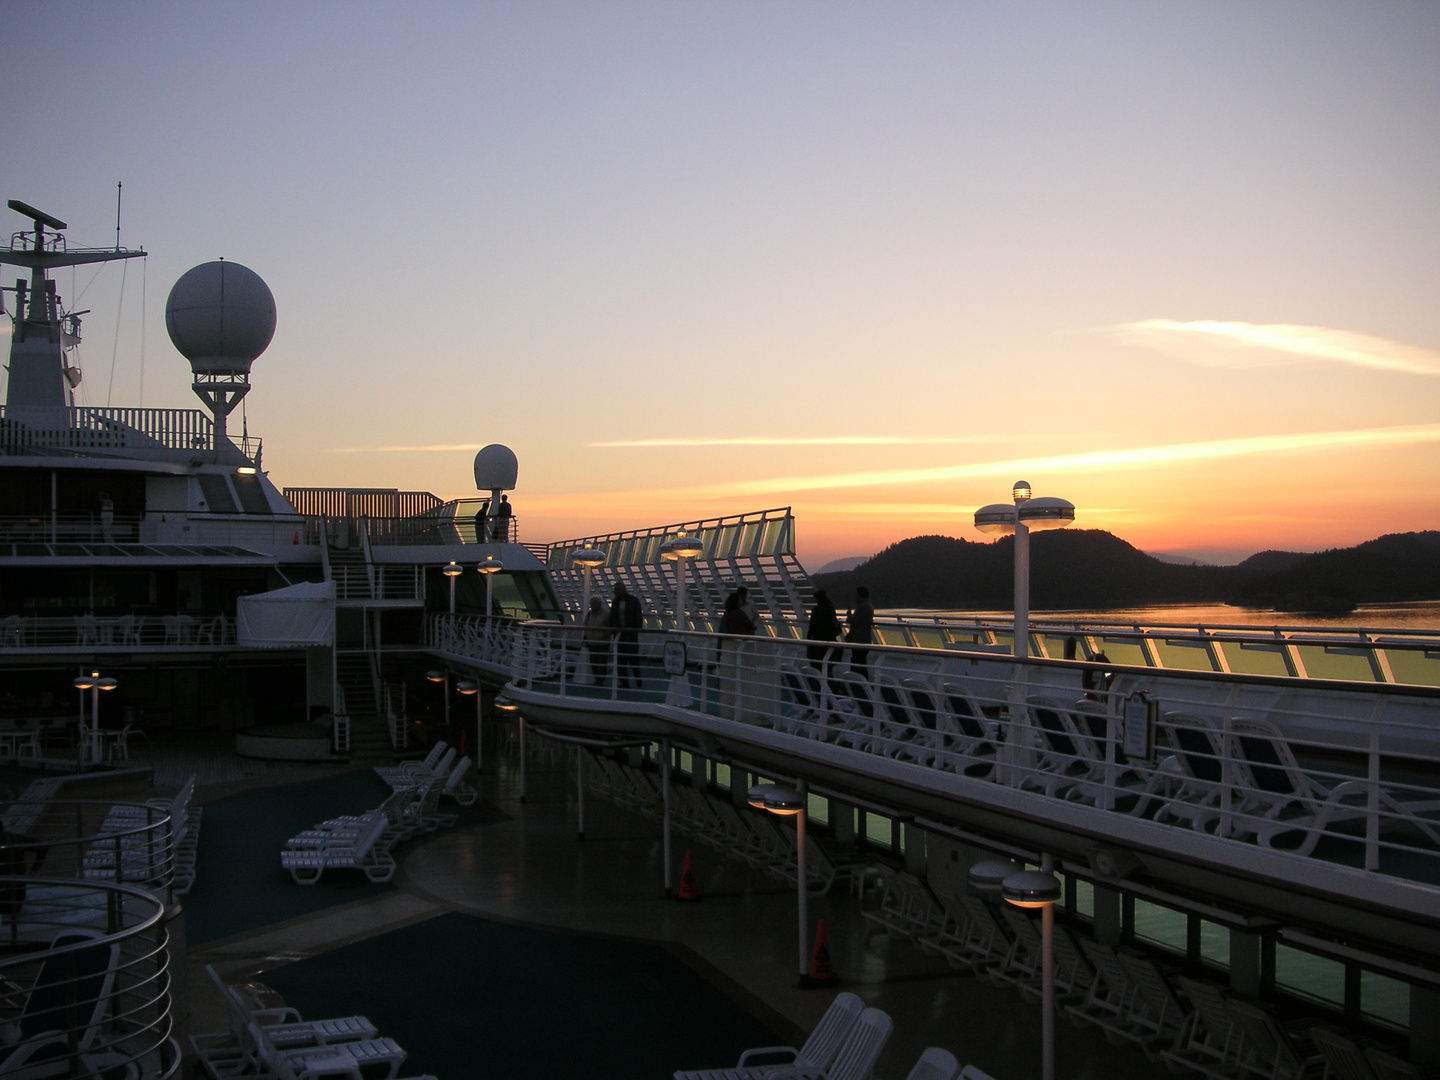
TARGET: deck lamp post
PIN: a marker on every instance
(94, 682)
(490, 567)
(442, 677)
(1027, 515)
(452, 571)
(680, 549)
(588, 558)
(1040, 889)
(789, 802)
(504, 704)
(469, 687)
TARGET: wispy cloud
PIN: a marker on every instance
(403, 449)
(798, 440)
(1135, 458)
(1242, 344)
(742, 440)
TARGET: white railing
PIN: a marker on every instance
(490, 641)
(1301, 770)
(378, 581)
(121, 632)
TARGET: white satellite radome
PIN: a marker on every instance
(496, 469)
(221, 316)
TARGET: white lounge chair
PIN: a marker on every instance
(819, 1050)
(935, 1064)
(366, 852)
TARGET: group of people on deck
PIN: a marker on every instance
(824, 626)
(623, 619)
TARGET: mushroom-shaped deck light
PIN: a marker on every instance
(988, 877)
(1039, 889)
(94, 682)
(790, 802)
(469, 687)
(220, 316)
(680, 549)
(588, 558)
(452, 570)
(490, 567)
(1025, 516)
(442, 677)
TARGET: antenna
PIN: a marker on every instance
(118, 191)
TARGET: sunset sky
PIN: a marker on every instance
(1178, 263)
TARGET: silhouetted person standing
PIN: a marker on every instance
(824, 626)
(859, 630)
(502, 520)
(627, 617)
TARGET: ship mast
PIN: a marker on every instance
(37, 354)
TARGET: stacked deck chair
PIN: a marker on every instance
(853, 1058)
(753, 838)
(971, 937)
(139, 854)
(436, 763)
(935, 1064)
(279, 1044)
(366, 850)
(818, 1053)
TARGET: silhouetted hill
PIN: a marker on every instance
(1089, 568)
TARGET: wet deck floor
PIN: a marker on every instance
(533, 869)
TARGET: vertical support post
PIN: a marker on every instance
(1424, 1025)
(1022, 590)
(1227, 777)
(802, 886)
(1047, 964)
(665, 796)
(1107, 916)
(1372, 804)
(479, 730)
(1245, 963)
(520, 723)
(580, 788)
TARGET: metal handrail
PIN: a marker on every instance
(115, 980)
(121, 632)
(1244, 762)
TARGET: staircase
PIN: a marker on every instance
(355, 670)
(369, 738)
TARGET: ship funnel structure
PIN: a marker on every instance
(221, 316)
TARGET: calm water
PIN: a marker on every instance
(1417, 616)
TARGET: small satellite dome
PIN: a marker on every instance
(496, 468)
(221, 316)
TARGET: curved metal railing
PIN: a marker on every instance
(85, 980)
(88, 840)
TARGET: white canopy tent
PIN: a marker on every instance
(302, 614)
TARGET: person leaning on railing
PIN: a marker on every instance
(597, 639)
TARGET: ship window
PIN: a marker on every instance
(1162, 926)
(877, 829)
(817, 808)
(1385, 999)
(1084, 899)
(1317, 978)
(218, 499)
(722, 776)
(1214, 944)
(686, 763)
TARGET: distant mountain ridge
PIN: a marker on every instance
(1091, 568)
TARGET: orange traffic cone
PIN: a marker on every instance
(688, 888)
(821, 973)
